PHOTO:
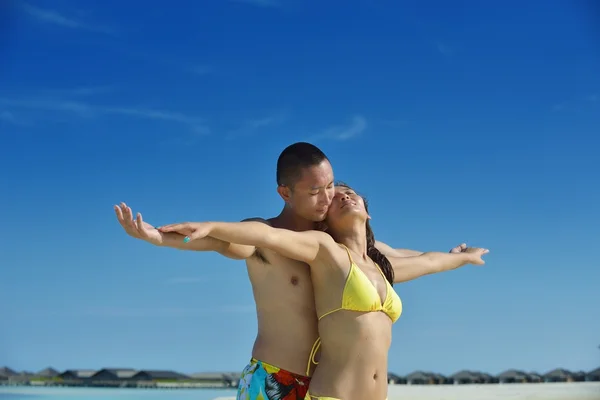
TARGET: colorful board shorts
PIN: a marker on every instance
(262, 381)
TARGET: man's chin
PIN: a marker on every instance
(320, 217)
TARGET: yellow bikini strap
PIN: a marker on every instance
(381, 272)
(313, 353)
(349, 255)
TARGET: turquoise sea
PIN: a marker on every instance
(45, 393)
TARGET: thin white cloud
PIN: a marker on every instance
(152, 114)
(197, 125)
(41, 104)
(86, 110)
(344, 132)
(200, 69)
(253, 126)
(444, 49)
(185, 280)
(8, 117)
(261, 3)
(56, 18)
(266, 121)
(82, 91)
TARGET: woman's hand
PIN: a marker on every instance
(191, 230)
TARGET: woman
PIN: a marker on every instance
(352, 282)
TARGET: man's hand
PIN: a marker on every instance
(137, 228)
(459, 249)
(475, 255)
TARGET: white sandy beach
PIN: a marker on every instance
(542, 391)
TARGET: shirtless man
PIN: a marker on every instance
(287, 321)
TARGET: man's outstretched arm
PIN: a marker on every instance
(229, 250)
(142, 230)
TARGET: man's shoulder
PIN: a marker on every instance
(268, 221)
(259, 254)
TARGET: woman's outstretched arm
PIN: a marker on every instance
(409, 268)
(302, 246)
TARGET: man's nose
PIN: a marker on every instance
(326, 198)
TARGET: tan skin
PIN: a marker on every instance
(283, 292)
(355, 345)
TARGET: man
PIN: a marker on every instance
(287, 322)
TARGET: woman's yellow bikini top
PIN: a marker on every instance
(360, 295)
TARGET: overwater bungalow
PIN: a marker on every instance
(464, 377)
(514, 376)
(394, 379)
(535, 377)
(421, 378)
(76, 377)
(47, 373)
(593, 376)
(563, 375)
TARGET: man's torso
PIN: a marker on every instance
(287, 321)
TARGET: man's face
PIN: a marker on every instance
(311, 196)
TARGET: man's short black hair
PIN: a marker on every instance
(293, 159)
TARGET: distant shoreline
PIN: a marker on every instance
(200, 385)
(130, 378)
(118, 385)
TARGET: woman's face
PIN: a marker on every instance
(346, 204)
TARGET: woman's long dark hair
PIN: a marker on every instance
(375, 255)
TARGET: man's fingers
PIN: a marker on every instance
(127, 220)
(119, 213)
(172, 227)
(139, 225)
(126, 212)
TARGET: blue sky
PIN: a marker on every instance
(460, 124)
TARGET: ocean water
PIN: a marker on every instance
(59, 393)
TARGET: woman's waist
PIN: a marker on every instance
(354, 354)
(356, 379)
(360, 356)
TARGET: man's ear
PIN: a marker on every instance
(285, 193)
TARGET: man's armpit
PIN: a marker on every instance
(258, 254)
